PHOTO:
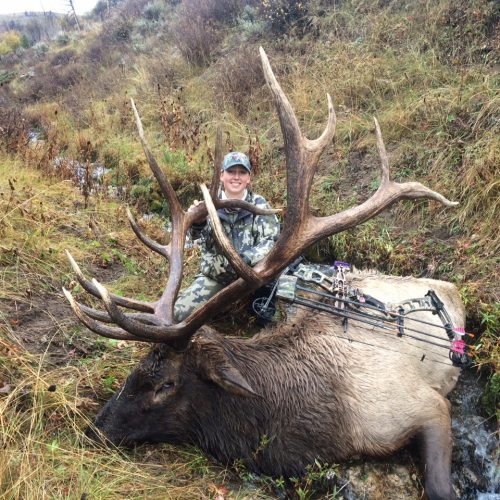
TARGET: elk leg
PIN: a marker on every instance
(436, 451)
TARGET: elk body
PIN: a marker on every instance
(303, 390)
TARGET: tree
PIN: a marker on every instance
(10, 41)
(25, 43)
(72, 14)
(34, 30)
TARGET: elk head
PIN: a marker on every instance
(152, 404)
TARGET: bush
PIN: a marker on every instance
(63, 57)
(144, 27)
(14, 130)
(62, 39)
(40, 48)
(153, 11)
(25, 43)
(10, 41)
(250, 24)
(122, 30)
(6, 77)
(282, 15)
(49, 83)
(196, 39)
(196, 32)
(237, 76)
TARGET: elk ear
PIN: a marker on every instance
(215, 365)
(231, 380)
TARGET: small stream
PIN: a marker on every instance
(476, 470)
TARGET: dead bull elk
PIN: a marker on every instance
(302, 388)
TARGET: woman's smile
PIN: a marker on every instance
(235, 181)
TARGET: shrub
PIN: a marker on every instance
(10, 41)
(144, 27)
(40, 48)
(6, 77)
(237, 76)
(14, 130)
(122, 30)
(282, 15)
(196, 32)
(63, 57)
(62, 39)
(34, 30)
(49, 83)
(196, 39)
(25, 43)
(153, 11)
(250, 24)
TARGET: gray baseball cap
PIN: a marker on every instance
(236, 158)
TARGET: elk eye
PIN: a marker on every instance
(166, 387)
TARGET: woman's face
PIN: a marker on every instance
(235, 180)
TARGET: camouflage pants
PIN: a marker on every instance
(194, 295)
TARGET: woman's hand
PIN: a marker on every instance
(200, 219)
(194, 204)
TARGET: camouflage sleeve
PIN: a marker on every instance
(196, 230)
(266, 229)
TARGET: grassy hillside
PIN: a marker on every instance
(427, 70)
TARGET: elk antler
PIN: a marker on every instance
(301, 229)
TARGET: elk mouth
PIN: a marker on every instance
(98, 438)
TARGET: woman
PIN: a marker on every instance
(252, 236)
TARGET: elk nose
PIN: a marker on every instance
(97, 437)
(91, 433)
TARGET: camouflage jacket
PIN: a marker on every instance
(252, 236)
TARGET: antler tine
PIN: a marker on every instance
(164, 183)
(149, 333)
(214, 187)
(104, 317)
(105, 331)
(245, 205)
(388, 193)
(302, 154)
(163, 250)
(138, 305)
(241, 268)
(180, 225)
(288, 121)
(384, 160)
(318, 145)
